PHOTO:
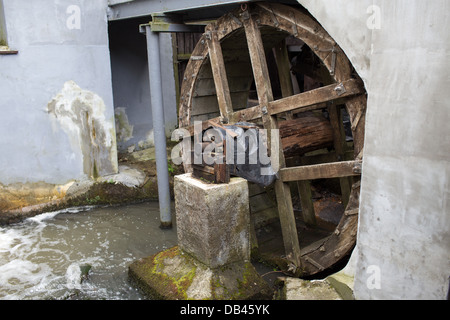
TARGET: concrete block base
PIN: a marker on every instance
(213, 220)
(175, 275)
(212, 259)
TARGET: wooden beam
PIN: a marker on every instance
(308, 212)
(220, 75)
(258, 60)
(284, 72)
(322, 171)
(331, 92)
(284, 69)
(334, 111)
(305, 101)
(265, 96)
(247, 114)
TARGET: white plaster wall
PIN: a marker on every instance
(404, 228)
(50, 54)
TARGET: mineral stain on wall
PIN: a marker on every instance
(20, 195)
(81, 115)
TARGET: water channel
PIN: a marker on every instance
(45, 257)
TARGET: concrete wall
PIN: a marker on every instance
(3, 40)
(401, 50)
(57, 118)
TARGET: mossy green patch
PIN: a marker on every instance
(165, 275)
(173, 274)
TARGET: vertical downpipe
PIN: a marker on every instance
(156, 98)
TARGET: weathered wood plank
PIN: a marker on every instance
(220, 75)
(234, 69)
(316, 96)
(291, 136)
(308, 214)
(209, 104)
(206, 86)
(322, 171)
(265, 95)
(284, 69)
(284, 72)
(248, 114)
(335, 114)
(356, 108)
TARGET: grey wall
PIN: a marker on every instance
(44, 126)
(402, 54)
(3, 40)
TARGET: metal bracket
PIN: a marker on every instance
(208, 35)
(170, 23)
(340, 89)
(235, 19)
(245, 15)
(333, 51)
(294, 24)
(333, 61)
(196, 58)
(264, 110)
(273, 17)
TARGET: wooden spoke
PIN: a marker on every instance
(316, 97)
(306, 101)
(284, 74)
(283, 66)
(356, 107)
(321, 171)
(265, 96)
(258, 59)
(220, 75)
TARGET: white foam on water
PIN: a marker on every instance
(40, 258)
(50, 215)
(73, 276)
(19, 274)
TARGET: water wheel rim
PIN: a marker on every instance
(330, 250)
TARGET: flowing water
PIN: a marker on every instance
(45, 257)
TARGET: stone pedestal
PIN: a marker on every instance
(213, 220)
(212, 259)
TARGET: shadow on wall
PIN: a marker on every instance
(131, 88)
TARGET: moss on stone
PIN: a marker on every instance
(172, 274)
(151, 275)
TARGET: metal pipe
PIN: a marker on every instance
(156, 98)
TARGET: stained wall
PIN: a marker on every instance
(56, 101)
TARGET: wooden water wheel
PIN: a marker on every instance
(230, 60)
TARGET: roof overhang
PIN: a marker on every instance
(187, 10)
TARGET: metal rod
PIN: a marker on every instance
(156, 98)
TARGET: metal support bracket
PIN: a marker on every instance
(170, 23)
(340, 89)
